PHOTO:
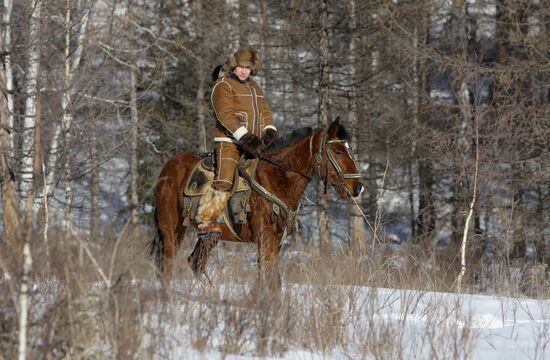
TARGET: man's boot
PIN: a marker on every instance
(211, 231)
(211, 205)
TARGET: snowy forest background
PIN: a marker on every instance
(448, 103)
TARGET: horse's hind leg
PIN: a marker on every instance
(172, 240)
(199, 257)
(169, 249)
(169, 226)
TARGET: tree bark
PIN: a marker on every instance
(418, 90)
(357, 232)
(10, 210)
(134, 200)
(464, 243)
(244, 23)
(426, 210)
(202, 72)
(8, 76)
(24, 299)
(94, 185)
(264, 41)
(325, 240)
(31, 89)
(62, 129)
(10, 203)
(201, 107)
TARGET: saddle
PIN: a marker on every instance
(237, 207)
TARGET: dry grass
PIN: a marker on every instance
(106, 304)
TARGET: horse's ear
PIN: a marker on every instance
(333, 128)
(337, 130)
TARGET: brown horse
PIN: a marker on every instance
(284, 171)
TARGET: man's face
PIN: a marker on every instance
(242, 72)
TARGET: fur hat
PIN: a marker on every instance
(245, 57)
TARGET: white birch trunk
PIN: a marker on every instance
(67, 119)
(27, 135)
(72, 62)
(464, 243)
(6, 50)
(10, 210)
(466, 108)
(464, 149)
(24, 300)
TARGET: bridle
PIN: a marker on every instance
(324, 145)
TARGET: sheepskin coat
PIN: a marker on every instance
(239, 107)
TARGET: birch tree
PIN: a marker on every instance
(31, 92)
(62, 129)
(8, 70)
(10, 205)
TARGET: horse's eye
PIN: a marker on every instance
(338, 152)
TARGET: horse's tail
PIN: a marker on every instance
(156, 245)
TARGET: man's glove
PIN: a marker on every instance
(269, 136)
(251, 145)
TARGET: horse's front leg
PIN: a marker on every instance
(268, 260)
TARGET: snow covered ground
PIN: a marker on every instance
(367, 323)
(227, 321)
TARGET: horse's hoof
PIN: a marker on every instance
(207, 279)
(203, 278)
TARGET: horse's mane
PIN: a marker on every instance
(290, 138)
(301, 133)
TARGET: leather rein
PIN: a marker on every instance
(284, 167)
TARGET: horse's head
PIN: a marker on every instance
(335, 162)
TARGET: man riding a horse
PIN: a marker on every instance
(243, 125)
(277, 184)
